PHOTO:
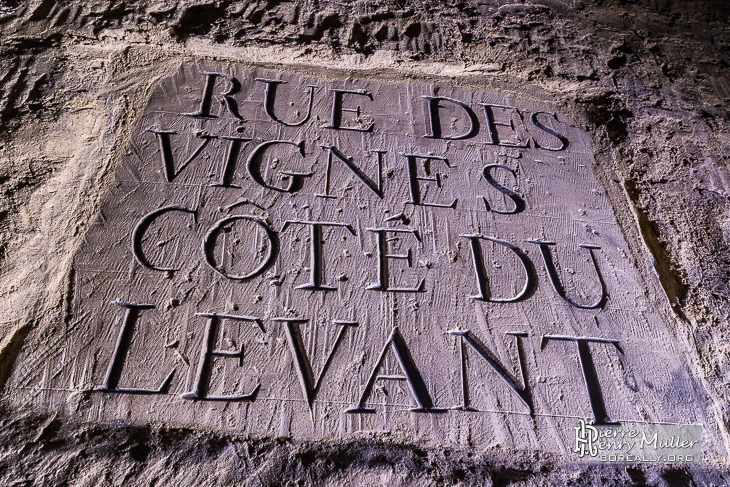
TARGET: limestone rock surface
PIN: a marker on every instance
(646, 81)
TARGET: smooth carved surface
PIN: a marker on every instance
(297, 256)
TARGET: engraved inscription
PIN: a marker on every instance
(287, 254)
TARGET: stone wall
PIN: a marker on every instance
(648, 81)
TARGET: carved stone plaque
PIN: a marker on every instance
(316, 256)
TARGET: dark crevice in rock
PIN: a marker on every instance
(669, 276)
(42, 10)
(10, 348)
(197, 19)
(604, 109)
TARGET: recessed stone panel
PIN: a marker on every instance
(319, 256)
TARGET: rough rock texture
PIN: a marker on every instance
(648, 80)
